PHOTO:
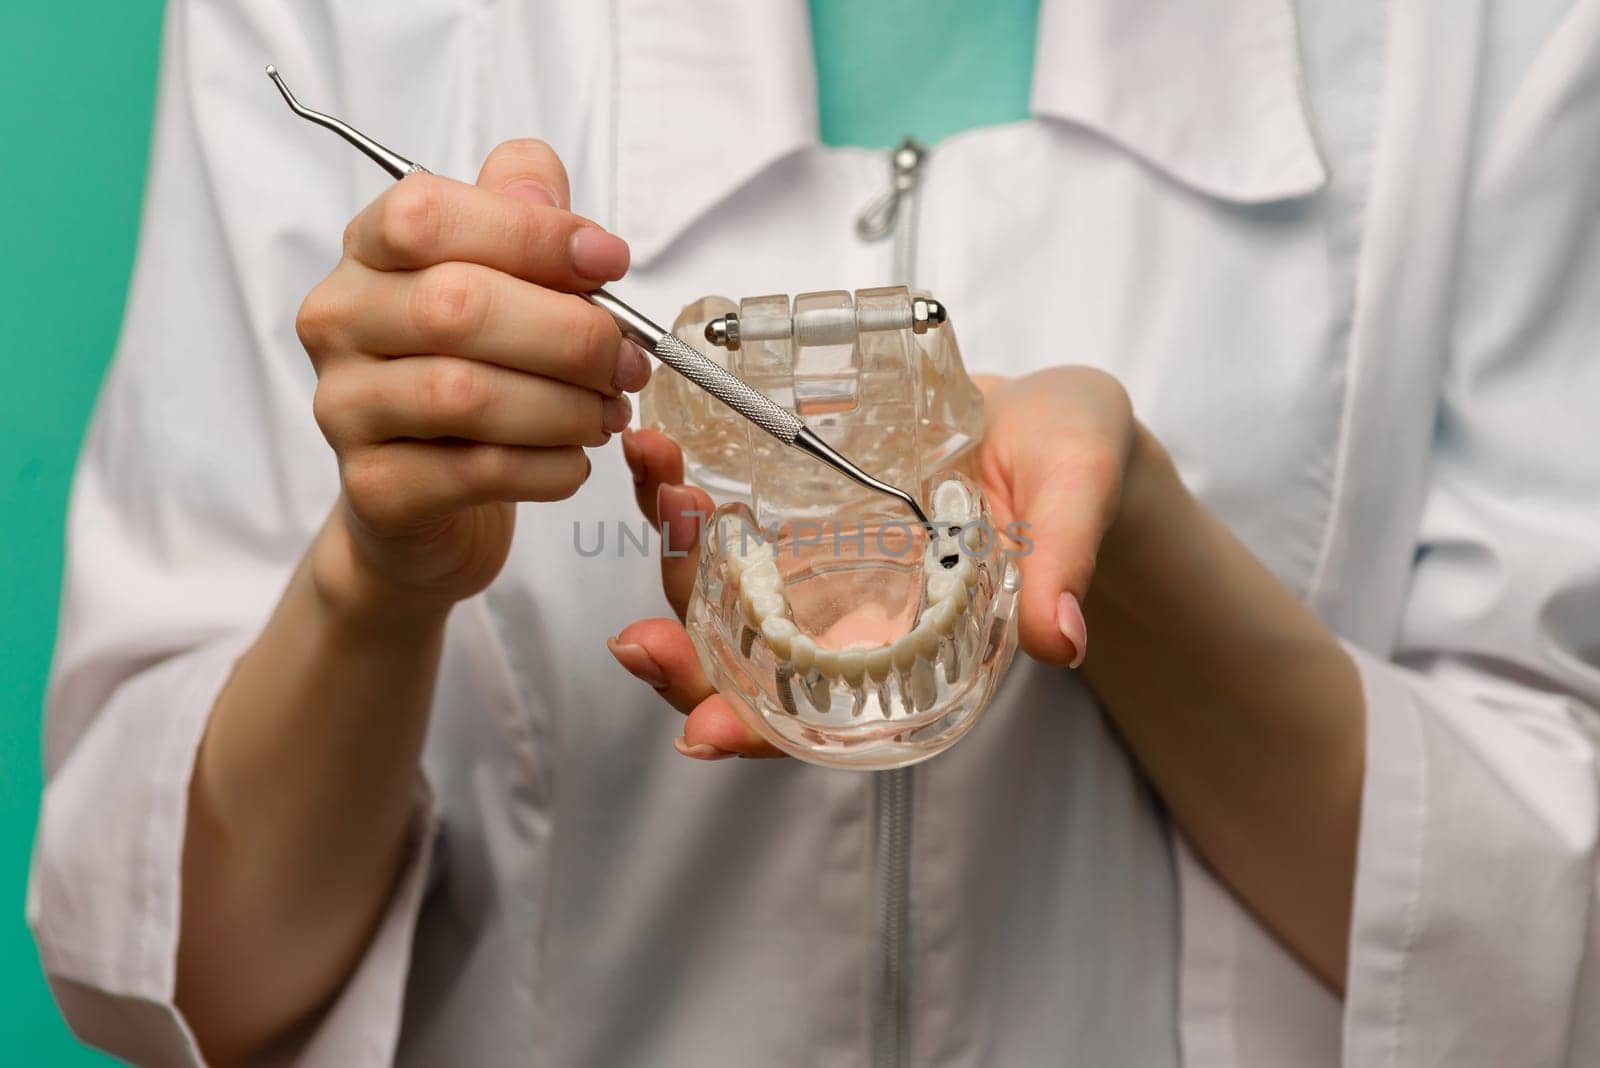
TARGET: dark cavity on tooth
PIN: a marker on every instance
(947, 562)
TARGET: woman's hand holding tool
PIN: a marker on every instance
(458, 373)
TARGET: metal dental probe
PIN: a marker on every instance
(717, 381)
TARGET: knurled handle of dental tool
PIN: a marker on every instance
(730, 389)
(703, 372)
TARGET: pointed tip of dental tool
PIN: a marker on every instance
(914, 505)
(283, 88)
(397, 165)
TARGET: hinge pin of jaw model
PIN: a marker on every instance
(926, 313)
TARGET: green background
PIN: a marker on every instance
(76, 91)
(78, 83)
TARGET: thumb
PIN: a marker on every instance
(527, 169)
(531, 171)
(1062, 516)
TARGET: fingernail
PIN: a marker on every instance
(534, 192)
(599, 255)
(700, 751)
(638, 663)
(633, 368)
(680, 532)
(630, 453)
(618, 414)
(1069, 617)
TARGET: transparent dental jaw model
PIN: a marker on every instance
(839, 630)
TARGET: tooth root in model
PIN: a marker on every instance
(950, 653)
(902, 677)
(924, 687)
(818, 690)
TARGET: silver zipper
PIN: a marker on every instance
(891, 861)
(893, 212)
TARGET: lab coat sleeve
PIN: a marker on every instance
(201, 482)
(1477, 901)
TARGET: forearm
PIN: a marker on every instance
(301, 796)
(1241, 706)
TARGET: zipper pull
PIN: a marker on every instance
(877, 219)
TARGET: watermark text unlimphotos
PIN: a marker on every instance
(618, 539)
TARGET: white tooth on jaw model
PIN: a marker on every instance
(948, 577)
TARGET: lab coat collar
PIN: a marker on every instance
(1208, 91)
(710, 94)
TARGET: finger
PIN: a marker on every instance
(464, 309)
(712, 719)
(429, 397)
(683, 512)
(654, 460)
(651, 651)
(678, 511)
(425, 220)
(529, 169)
(713, 727)
(398, 485)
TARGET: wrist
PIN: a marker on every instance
(1150, 514)
(360, 599)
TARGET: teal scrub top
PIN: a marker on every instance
(927, 68)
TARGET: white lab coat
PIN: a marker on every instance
(1346, 259)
